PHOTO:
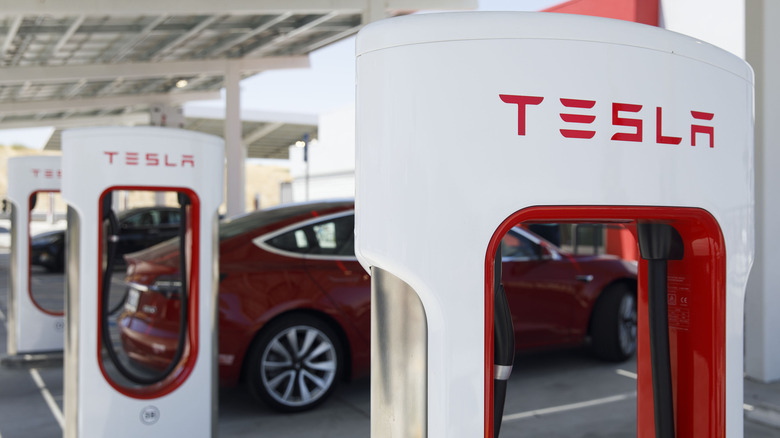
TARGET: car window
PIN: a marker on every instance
(517, 246)
(170, 217)
(234, 226)
(145, 219)
(329, 237)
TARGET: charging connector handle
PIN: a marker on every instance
(503, 345)
(659, 243)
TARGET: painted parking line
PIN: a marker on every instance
(631, 375)
(55, 410)
(570, 407)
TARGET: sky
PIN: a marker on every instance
(328, 84)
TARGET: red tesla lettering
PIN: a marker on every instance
(624, 121)
(35, 172)
(152, 160)
(578, 103)
(59, 173)
(617, 121)
(521, 102)
(578, 118)
(700, 129)
(659, 137)
(49, 173)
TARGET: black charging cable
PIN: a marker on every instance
(109, 217)
(503, 345)
(659, 243)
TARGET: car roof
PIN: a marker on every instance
(250, 221)
(133, 211)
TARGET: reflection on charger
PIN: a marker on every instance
(47, 251)
(143, 327)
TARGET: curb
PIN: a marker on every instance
(768, 415)
(38, 360)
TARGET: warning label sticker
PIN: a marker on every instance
(678, 300)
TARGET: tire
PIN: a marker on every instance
(613, 324)
(295, 363)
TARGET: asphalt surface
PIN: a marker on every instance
(563, 393)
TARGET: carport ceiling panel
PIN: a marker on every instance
(276, 143)
(85, 40)
(98, 40)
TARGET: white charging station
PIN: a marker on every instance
(95, 162)
(32, 328)
(470, 123)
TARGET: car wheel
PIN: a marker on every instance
(613, 324)
(295, 364)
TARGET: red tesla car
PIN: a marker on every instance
(294, 303)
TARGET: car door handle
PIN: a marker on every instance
(584, 278)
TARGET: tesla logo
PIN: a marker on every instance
(47, 173)
(150, 159)
(630, 127)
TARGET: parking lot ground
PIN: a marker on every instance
(563, 393)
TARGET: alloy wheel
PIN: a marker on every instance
(298, 366)
(627, 331)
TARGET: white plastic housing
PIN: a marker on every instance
(31, 329)
(95, 160)
(442, 159)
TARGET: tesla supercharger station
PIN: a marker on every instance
(32, 327)
(96, 162)
(470, 123)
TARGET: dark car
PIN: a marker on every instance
(294, 303)
(48, 250)
(139, 228)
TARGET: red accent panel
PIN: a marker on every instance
(29, 254)
(659, 137)
(578, 103)
(190, 356)
(577, 118)
(639, 11)
(697, 315)
(576, 133)
(623, 121)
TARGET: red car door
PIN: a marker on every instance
(332, 265)
(542, 289)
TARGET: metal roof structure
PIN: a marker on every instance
(68, 63)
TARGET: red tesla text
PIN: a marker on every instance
(151, 159)
(625, 119)
(47, 173)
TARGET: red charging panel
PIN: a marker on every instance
(697, 315)
(190, 355)
(29, 254)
